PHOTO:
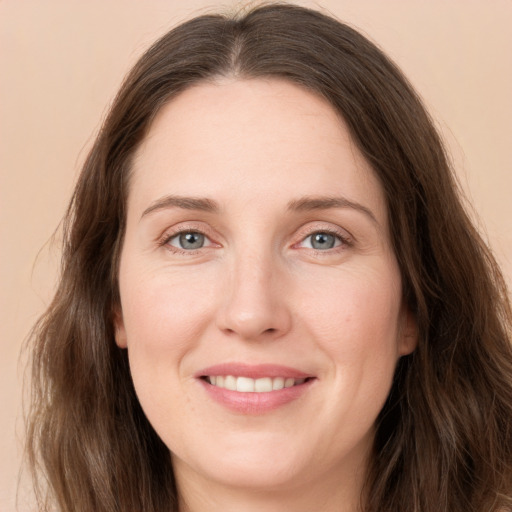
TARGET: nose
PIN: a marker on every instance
(255, 305)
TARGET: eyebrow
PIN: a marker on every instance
(304, 204)
(311, 203)
(185, 203)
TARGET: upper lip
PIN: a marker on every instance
(252, 371)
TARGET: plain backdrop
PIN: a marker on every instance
(61, 62)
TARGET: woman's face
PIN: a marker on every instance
(261, 298)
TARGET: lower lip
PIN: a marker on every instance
(255, 403)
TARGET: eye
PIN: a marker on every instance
(322, 241)
(189, 240)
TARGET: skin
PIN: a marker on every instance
(258, 291)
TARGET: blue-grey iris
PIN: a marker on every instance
(323, 241)
(191, 240)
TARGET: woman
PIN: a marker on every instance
(271, 297)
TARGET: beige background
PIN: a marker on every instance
(62, 61)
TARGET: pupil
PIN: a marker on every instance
(191, 240)
(323, 241)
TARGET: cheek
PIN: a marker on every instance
(163, 307)
(356, 324)
(164, 317)
(357, 313)
(164, 314)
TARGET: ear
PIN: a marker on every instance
(120, 331)
(408, 333)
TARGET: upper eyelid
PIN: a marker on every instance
(324, 231)
(184, 227)
(321, 227)
(187, 227)
(170, 236)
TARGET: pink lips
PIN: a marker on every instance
(253, 402)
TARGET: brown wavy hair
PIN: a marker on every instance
(444, 437)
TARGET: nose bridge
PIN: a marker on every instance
(254, 303)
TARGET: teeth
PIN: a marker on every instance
(248, 385)
(263, 385)
(244, 384)
(230, 382)
(278, 383)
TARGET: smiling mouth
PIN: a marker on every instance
(249, 385)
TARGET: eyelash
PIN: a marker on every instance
(342, 237)
(345, 241)
(165, 241)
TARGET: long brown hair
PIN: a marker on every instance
(444, 438)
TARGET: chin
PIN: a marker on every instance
(269, 475)
(260, 464)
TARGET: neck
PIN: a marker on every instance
(335, 491)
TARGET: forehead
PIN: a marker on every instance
(258, 137)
